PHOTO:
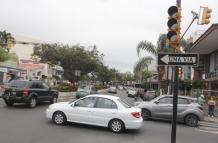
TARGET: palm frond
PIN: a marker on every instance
(142, 63)
(147, 46)
(161, 43)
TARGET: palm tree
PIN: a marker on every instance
(161, 46)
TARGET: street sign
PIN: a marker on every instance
(178, 59)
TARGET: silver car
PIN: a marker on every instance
(112, 89)
(188, 110)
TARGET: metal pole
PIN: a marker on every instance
(175, 95)
(196, 17)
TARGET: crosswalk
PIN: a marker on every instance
(209, 127)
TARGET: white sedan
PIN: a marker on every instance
(100, 110)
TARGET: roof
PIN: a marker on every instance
(179, 96)
(207, 42)
(104, 96)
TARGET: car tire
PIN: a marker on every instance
(191, 120)
(146, 114)
(116, 126)
(54, 100)
(59, 118)
(9, 102)
(32, 103)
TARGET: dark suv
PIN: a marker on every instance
(28, 92)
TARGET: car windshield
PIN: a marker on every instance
(18, 84)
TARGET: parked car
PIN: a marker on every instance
(86, 90)
(161, 107)
(112, 89)
(131, 92)
(100, 110)
(28, 92)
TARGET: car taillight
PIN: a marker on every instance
(25, 92)
(136, 114)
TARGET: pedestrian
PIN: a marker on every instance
(200, 100)
(211, 106)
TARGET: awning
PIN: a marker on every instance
(207, 42)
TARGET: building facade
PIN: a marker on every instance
(207, 71)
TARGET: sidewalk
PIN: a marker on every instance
(210, 119)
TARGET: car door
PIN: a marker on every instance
(181, 107)
(36, 89)
(42, 91)
(81, 110)
(46, 91)
(104, 110)
(162, 108)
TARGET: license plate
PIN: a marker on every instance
(13, 93)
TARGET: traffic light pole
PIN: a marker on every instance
(175, 95)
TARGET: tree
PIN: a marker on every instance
(71, 58)
(161, 46)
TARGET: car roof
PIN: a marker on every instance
(104, 96)
(181, 96)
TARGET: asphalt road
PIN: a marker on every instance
(19, 124)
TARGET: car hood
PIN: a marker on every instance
(60, 104)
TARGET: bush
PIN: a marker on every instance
(99, 87)
(66, 88)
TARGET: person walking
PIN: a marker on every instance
(145, 97)
(211, 106)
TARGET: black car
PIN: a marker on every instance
(28, 92)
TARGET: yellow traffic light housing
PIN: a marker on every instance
(173, 35)
(10, 43)
(205, 15)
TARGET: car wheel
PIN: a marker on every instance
(116, 126)
(59, 118)
(32, 103)
(191, 120)
(146, 114)
(9, 103)
(54, 100)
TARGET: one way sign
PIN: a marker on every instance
(178, 59)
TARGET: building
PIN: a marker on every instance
(207, 71)
(52, 74)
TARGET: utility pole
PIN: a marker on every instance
(175, 88)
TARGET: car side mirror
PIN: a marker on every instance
(156, 102)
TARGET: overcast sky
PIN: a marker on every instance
(115, 26)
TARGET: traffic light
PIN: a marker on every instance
(173, 35)
(180, 72)
(10, 42)
(206, 14)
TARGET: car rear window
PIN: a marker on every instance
(124, 103)
(18, 84)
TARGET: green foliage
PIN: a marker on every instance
(185, 85)
(4, 56)
(72, 58)
(197, 84)
(66, 88)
